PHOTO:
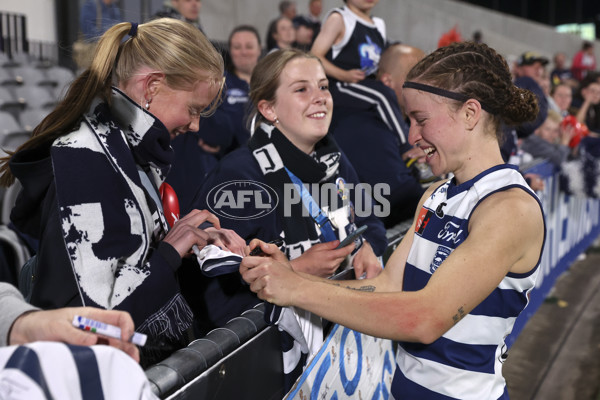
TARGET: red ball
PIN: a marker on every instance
(170, 203)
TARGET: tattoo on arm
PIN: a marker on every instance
(366, 288)
(459, 315)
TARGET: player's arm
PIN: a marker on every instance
(390, 279)
(505, 234)
(332, 32)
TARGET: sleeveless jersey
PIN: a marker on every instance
(466, 362)
(362, 44)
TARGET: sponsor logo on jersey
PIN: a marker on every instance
(423, 220)
(451, 233)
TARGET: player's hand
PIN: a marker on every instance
(270, 275)
(366, 264)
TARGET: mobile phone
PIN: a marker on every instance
(257, 251)
(351, 237)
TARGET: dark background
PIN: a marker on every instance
(550, 12)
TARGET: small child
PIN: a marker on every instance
(550, 140)
(350, 42)
(350, 45)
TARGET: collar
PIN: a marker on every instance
(454, 189)
(147, 137)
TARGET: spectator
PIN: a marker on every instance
(477, 37)
(287, 9)
(452, 36)
(293, 108)
(562, 94)
(460, 277)
(281, 34)
(97, 16)
(225, 130)
(529, 73)
(315, 8)
(347, 32)
(91, 173)
(304, 33)
(184, 10)
(560, 73)
(584, 61)
(47, 343)
(350, 45)
(550, 141)
(379, 160)
(23, 323)
(588, 102)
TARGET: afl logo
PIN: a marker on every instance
(242, 200)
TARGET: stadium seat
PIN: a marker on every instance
(9, 197)
(27, 75)
(7, 78)
(32, 117)
(8, 124)
(12, 140)
(62, 77)
(35, 97)
(9, 103)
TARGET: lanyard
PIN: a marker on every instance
(313, 208)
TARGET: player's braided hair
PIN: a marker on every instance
(477, 71)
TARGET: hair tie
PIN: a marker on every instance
(133, 30)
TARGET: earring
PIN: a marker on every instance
(147, 106)
(276, 121)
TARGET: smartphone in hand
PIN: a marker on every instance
(352, 237)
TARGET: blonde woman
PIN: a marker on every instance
(91, 173)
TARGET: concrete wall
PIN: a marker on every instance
(416, 22)
(41, 25)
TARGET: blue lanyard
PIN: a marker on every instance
(313, 209)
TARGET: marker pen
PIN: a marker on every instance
(101, 328)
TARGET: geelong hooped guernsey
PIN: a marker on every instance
(466, 362)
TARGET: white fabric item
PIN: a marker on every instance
(52, 369)
(215, 261)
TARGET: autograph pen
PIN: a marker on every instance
(102, 328)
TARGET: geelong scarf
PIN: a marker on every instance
(106, 176)
(301, 331)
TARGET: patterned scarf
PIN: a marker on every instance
(112, 223)
(301, 331)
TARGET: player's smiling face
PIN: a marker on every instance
(434, 129)
(303, 103)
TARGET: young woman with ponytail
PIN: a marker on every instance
(91, 172)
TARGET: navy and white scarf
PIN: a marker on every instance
(301, 331)
(112, 221)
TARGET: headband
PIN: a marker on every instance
(445, 93)
(133, 30)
